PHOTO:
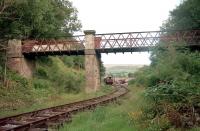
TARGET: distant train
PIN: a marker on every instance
(109, 80)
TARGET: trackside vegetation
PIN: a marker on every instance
(122, 115)
(172, 81)
(24, 19)
(57, 80)
(172, 84)
(52, 80)
(54, 83)
(164, 96)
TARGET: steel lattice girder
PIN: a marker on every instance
(147, 39)
(112, 41)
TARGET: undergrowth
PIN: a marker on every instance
(114, 117)
(54, 83)
(127, 114)
(173, 85)
(130, 113)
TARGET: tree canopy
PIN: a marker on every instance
(172, 80)
(185, 16)
(37, 18)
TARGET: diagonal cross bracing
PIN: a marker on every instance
(111, 42)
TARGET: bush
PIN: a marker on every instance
(59, 75)
(172, 79)
(41, 83)
(20, 81)
(68, 61)
(41, 72)
(52, 78)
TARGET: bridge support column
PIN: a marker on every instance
(91, 63)
(16, 60)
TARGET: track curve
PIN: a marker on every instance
(59, 114)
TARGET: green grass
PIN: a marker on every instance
(115, 117)
(45, 98)
(122, 70)
(127, 114)
(54, 83)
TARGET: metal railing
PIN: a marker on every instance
(146, 39)
(113, 41)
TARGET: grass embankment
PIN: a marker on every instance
(114, 117)
(130, 113)
(121, 70)
(56, 81)
(41, 99)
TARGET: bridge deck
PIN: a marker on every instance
(111, 42)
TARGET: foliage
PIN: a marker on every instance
(41, 72)
(54, 70)
(185, 16)
(19, 91)
(73, 61)
(37, 18)
(122, 70)
(52, 78)
(172, 78)
(124, 115)
(113, 117)
(130, 74)
(41, 84)
(102, 69)
(37, 94)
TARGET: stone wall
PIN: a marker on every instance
(25, 66)
(17, 62)
(91, 63)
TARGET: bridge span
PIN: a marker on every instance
(110, 42)
(21, 54)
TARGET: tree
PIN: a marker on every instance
(130, 74)
(185, 16)
(79, 62)
(4, 4)
(173, 76)
(37, 19)
(102, 69)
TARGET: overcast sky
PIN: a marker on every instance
(113, 16)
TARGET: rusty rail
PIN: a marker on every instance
(63, 113)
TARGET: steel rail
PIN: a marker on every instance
(40, 118)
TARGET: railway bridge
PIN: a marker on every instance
(21, 53)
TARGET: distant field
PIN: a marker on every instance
(121, 70)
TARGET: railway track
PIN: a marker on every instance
(42, 119)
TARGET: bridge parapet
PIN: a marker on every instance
(131, 41)
(111, 42)
(21, 56)
(54, 47)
